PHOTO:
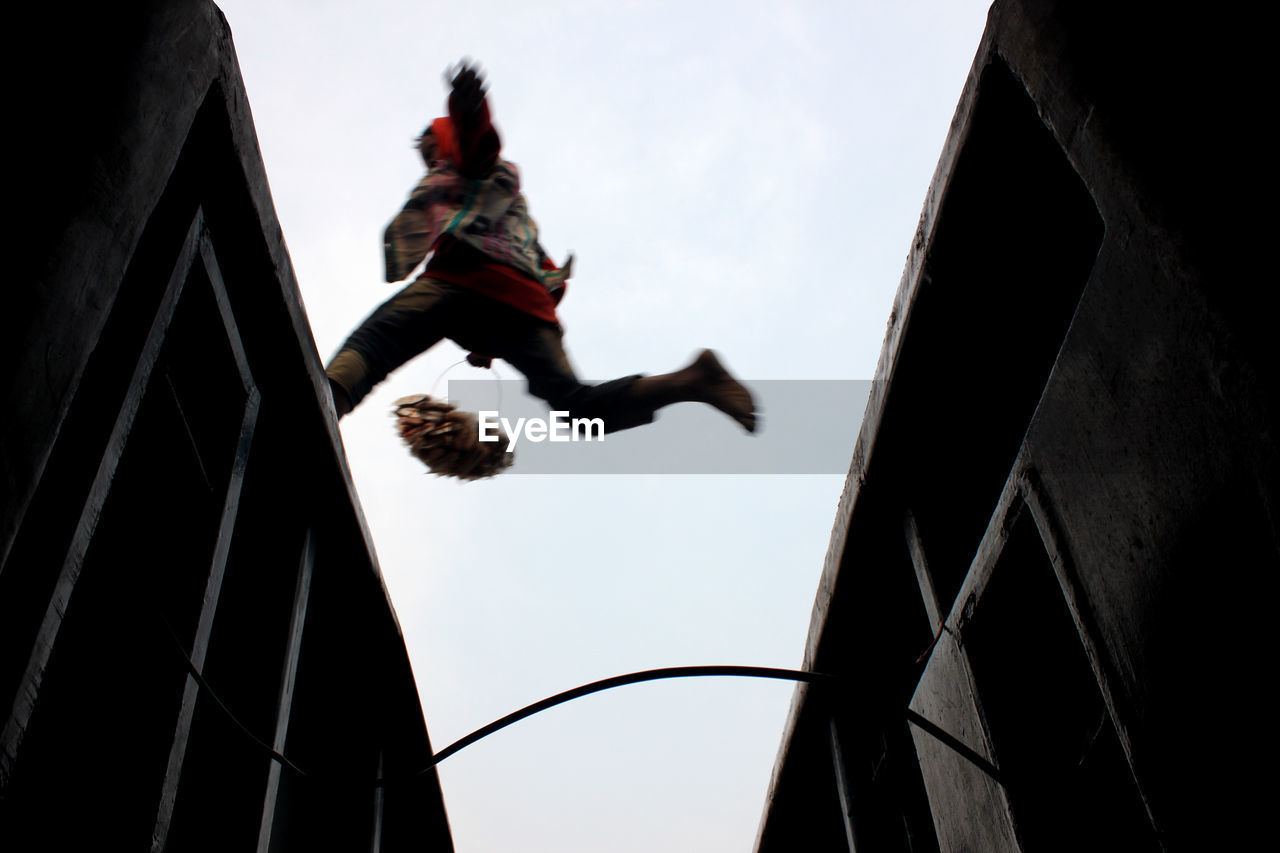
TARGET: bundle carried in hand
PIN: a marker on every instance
(448, 440)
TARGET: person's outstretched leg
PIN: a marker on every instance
(536, 349)
(628, 402)
(704, 380)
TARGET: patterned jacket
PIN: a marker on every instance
(487, 213)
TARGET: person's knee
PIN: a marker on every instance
(341, 399)
(349, 372)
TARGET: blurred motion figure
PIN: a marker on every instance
(489, 286)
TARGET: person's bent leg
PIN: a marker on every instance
(407, 324)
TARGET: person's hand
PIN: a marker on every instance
(468, 85)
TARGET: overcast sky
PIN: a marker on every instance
(740, 175)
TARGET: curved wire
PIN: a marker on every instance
(435, 385)
(607, 684)
(498, 377)
(943, 736)
(204, 685)
(960, 747)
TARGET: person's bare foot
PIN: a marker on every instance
(714, 385)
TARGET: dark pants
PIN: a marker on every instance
(418, 317)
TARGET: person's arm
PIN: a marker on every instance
(478, 141)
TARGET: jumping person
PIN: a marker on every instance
(490, 287)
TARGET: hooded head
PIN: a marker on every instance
(439, 141)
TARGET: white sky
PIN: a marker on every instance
(740, 175)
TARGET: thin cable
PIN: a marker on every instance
(204, 686)
(924, 656)
(443, 374)
(946, 738)
(498, 377)
(956, 744)
(608, 684)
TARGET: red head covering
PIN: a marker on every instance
(446, 138)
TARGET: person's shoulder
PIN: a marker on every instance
(507, 167)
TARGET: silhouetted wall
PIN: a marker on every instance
(1067, 472)
(187, 585)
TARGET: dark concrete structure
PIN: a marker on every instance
(187, 584)
(1067, 472)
